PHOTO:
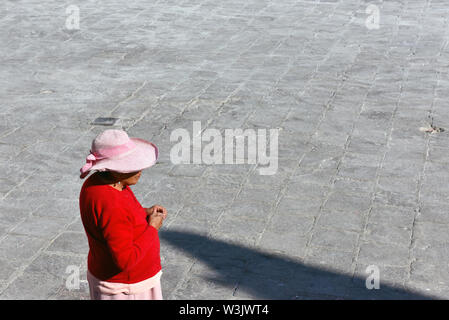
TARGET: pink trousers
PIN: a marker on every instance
(101, 290)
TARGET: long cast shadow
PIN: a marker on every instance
(270, 276)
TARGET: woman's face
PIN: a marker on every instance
(127, 179)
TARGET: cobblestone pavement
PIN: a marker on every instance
(358, 183)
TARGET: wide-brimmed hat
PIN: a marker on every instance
(114, 150)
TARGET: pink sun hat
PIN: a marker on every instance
(114, 150)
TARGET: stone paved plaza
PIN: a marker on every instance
(359, 182)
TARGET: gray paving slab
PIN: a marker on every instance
(358, 184)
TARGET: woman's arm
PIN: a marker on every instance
(118, 231)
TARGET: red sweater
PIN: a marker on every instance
(122, 246)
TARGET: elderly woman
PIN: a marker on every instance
(124, 260)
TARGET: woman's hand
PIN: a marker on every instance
(156, 215)
(156, 220)
(156, 209)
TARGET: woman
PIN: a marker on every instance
(124, 260)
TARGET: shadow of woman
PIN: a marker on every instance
(271, 276)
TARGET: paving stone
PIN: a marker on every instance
(239, 230)
(339, 239)
(292, 243)
(222, 180)
(344, 220)
(323, 156)
(169, 283)
(385, 233)
(383, 254)
(251, 287)
(250, 210)
(435, 252)
(304, 207)
(394, 216)
(73, 242)
(188, 170)
(358, 172)
(76, 225)
(338, 261)
(361, 145)
(41, 227)
(348, 202)
(319, 176)
(304, 189)
(48, 273)
(16, 251)
(353, 186)
(59, 208)
(433, 212)
(399, 199)
(216, 199)
(264, 195)
(431, 233)
(11, 214)
(283, 221)
(422, 271)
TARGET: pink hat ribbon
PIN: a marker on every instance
(106, 153)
